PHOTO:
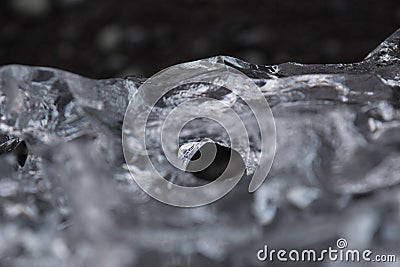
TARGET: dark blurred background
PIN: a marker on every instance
(103, 38)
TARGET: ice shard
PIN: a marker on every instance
(72, 201)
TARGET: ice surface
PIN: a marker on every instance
(72, 201)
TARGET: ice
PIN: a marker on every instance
(7, 144)
(67, 198)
